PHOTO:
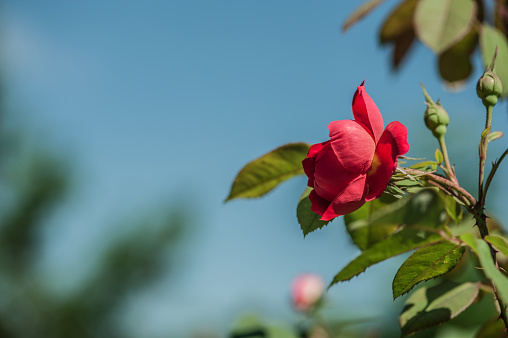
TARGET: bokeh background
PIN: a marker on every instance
(123, 126)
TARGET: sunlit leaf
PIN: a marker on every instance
(491, 37)
(499, 242)
(452, 208)
(428, 307)
(308, 219)
(426, 263)
(482, 250)
(424, 165)
(360, 13)
(495, 135)
(455, 63)
(265, 173)
(439, 156)
(441, 23)
(402, 241)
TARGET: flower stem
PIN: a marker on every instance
(484, 143)
(449, 170)
(469, 199)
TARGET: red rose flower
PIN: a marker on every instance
(356, 164)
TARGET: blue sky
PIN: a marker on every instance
(166, 101)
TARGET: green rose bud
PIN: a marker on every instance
(489, 88)
(436, 118)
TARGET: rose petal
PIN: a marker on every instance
(349, 200)
(366, 112)
(392, 144)
(309, 162)
(352, 144)
(318, 204)
(330, 176)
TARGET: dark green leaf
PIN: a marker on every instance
(360, 13)
(398, 30)
(492, 329)
(455, 63)
(399, 22)
(402, 45)
(402, 241)
(426, 263)
(441, 23)
(491, 37)
(482, 250)
(365, 236)
(265, 173)
(308, 219)
(430, 307)
(378, 219)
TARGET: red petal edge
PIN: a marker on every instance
(367, 113)
(349, 200)
(309, 163)
(393, 143)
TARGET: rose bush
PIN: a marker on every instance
(356, 164)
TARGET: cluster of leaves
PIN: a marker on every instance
(452, 29)
(427, 221)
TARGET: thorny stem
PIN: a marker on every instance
(495, 165)
(479, 207)
(481, 222)
(469, 199)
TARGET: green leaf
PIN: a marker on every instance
(263, 174)
(439, 156)
(424, 165)
(376, 221)
(455, 63)
(398, 30)
(426, 263)
(417, 216)
(398, 22)
(360, 13)
(492, 329)
(491, 37)
(452, 208)
(441, 23)
(495, 135)
(366, 236)
(499, 242)
(482, 250)
(402, 241)
(428, 307)
(308, 219)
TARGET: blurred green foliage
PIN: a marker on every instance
(33, 185)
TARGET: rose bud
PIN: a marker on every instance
(489, 88)
(436, 118)
(306, 291)
(356, 164)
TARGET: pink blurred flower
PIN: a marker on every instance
(306, 291)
